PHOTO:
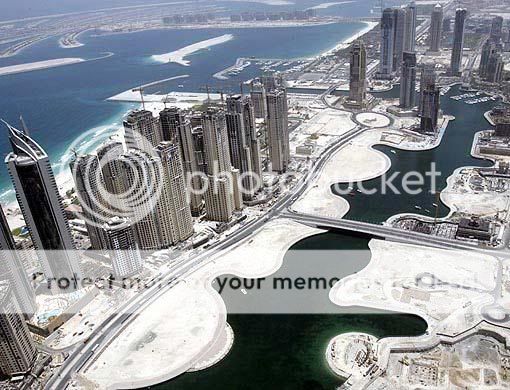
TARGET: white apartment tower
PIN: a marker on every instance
(17, 350)
(142, 130)
(123, 250)
(173, 198)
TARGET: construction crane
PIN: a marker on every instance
(140, 89)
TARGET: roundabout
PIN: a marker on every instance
(372, 119)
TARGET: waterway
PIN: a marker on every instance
(288, 351)
(453, 152)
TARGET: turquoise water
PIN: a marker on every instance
(59, 104)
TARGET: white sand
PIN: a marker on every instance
(179, 55)
(180, 330)
(31, 66)
(352, 38)
(389, 280)
(328, 5)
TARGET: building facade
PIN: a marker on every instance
(429, 115)
(278, 129)
(436, 28)
(458, 42)
(122, 248)
(42, 208)
(408, 81)
(17, 350)
(12, 269)
(142, 130)
(358, 74)
(399, 38)
(387, 43)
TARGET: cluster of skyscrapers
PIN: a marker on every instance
(140, 194)
(491, 61)
(398, 35)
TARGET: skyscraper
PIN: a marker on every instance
(12, 269)
(458, 41)
(176, 125)
(258, 97)
(278, 129)
(141, 174)
(410, 26)
(436, 28)
(88, 180)
(399, 38)
(408, 81)
(430, 109)
(427, 80)
(112, 173)
(243, 142)
(176, 211)
(497, 29)
(447, 24)
(488, 49)
(358, 73)
(41, 205)
(17, 350)
(387, 43)
(123, 250)
(142, 130)
(219, 200)
(495, 68)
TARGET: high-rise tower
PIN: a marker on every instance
(488, 49)
(176, 211)
(399, 38)
(219, 198)
(88, 180)
(176, 126)
(358, 74)
(121, 245)
(497, 29)
(387, 43)
(42, 208)
(12, 269)
(278, 129)
(142, 130)
(410, 26)
(408, 81)
(436, 28)
(429, 114)
(243, 142)
(458, 42)
(17, 350)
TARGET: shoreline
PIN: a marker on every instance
(342, 45)
(178, 56)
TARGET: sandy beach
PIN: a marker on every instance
(179, 55)
(369, 27)
(31, 66)
(328, 5)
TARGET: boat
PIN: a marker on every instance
(180, 86)
(417, 207)
(393, 151)
(434, 204)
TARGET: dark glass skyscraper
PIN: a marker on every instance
(458, 41)
(358, 73)
(408, 81)
(387, 43)
(41, 205)
(436, 28)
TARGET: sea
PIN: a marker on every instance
(59, 104)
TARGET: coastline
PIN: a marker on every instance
(342, 45)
